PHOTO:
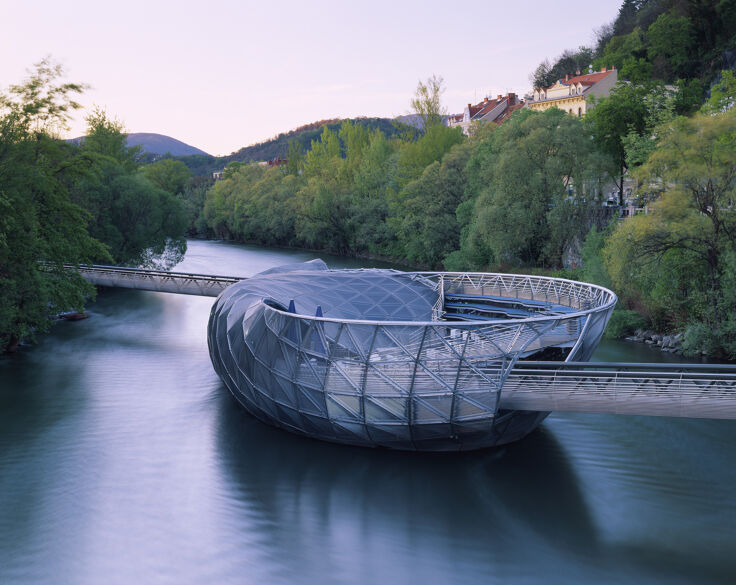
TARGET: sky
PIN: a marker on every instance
(223, 74)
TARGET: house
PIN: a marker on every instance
(572, 94)
(489, 110)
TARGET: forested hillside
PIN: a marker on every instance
(657, 40)
(300, 138)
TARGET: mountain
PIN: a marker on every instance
(160, 144)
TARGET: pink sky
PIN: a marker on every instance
(221, 75)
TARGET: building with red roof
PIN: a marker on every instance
(572, 94)
(489, 110)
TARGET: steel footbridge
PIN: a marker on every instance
(156, 280)
(674, 390)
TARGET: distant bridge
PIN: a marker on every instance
(677, 390)
(157, 280)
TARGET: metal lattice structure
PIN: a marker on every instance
(432, 361)
(693, 390)
(156, 280)
(402, 360)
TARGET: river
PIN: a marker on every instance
(124, 460)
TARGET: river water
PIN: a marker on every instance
(123, 460)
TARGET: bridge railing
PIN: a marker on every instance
(692, 390)
(155, 280)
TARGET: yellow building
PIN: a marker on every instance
(572, 93)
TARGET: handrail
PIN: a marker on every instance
(150, 272)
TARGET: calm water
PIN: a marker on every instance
(123, 460)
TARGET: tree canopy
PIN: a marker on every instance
(41, 229)
(61, 203)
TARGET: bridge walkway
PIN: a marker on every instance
(680, 390)
(157, 280)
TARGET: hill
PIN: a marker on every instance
(160, 144)
(279, 145)
(687, 43)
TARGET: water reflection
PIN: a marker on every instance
(349, 503)
(124, 460)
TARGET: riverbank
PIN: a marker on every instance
(666, 343)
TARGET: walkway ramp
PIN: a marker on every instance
(682, 390)
(157, 280)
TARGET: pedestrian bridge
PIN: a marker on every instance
(157, 280)
(685, 390)
(677, 390)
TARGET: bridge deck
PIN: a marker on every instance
(690, 390)
(157, 280)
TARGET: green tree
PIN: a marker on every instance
(671, 39)
(621, 49)
(425, 219)
(636, 70)
(534, 172)
(295, 158)
(722, 94)
(569, 62)
(415, 156)
(40, 228)
(140, 223)
(194, 196)
(170, 175)
(624, 111)
(106, 137)
(427, 101)
(676, 256)
(661, 106)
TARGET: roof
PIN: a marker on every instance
(480, 110)
(374, 294)
(508, 111)
(587, 80)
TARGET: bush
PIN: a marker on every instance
(623, 323)
(717, 342)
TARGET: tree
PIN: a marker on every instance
(40, 228)
(661, 106)
(603, 34)
(106, 136)
(678, 256)
(567, 63)
(170, 175)
(427, 101)
(624, 111)
(722, 94)
(415, 156)
(295, 158)
(620, 49)
(531, 168)
(671, 39)
(541, 76)
(142, 224)
(626, 19)
(425, 219)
